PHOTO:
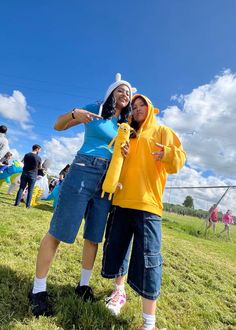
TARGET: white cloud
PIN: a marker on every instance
(16, 155)
(15, 108)
(203, 198)
(61, 151)
(205, 120)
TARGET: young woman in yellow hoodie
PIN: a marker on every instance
(155, 151)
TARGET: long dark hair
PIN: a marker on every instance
(109, 109)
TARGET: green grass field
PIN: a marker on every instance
(199, 277)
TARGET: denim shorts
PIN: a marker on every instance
(80, 197)
(140, 232)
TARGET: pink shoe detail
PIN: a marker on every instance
(116, 301)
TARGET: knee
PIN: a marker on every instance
(50, 241)
(90, 243)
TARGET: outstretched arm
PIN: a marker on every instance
(74, 117)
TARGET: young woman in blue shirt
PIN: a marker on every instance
(80, 194)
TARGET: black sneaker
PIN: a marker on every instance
(84, 292)
(39, 304)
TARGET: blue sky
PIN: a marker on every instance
(63, 54)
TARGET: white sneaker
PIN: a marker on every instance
(116, 301)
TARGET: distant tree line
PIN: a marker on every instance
(187, 208)
(183, 210)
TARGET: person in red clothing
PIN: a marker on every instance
(227, 220)
(213, 218)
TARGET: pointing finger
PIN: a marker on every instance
(93, 115)
(159, 145)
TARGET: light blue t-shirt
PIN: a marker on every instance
(98, 134)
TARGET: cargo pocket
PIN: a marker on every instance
(151, 261)
(152, 276)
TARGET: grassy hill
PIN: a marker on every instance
(199, 277)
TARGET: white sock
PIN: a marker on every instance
(149, 321)
(120, 287)
(39, 285)
(85, 276)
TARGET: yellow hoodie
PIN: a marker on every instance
(142, 177)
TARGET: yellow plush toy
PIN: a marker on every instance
(113, 174)
(37, 193)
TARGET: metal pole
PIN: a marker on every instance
(223, 196)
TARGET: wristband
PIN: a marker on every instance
(72, 113)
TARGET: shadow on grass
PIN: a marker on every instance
(5, 198)
(44, 207)
(10, 200)
(73, 313)
(69, 311)
(7, 202)
(13, 301)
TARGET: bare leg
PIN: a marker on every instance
(47, 250)
(89, 254)
(225, 228)
(120, 280)
(149, 310)
(214, 227)
(149, 306)
(208, 225)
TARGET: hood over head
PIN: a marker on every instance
(150, 119)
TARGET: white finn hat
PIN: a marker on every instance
(117, 83)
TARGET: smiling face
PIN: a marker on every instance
(139, 110)
(122, 96)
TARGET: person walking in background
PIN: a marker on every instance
(80, 192)
(227, 220)
(32, 163)
(155, 151)
(4, 147)
(213, 219)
